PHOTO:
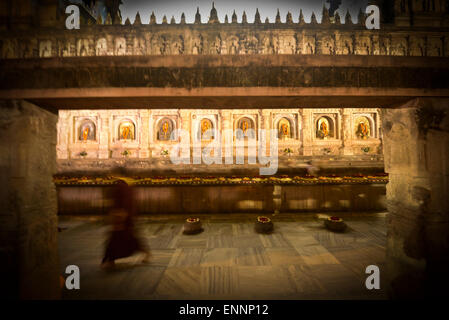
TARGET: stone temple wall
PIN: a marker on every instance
(144, 134)
(327, 37)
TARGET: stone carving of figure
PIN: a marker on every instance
(252, 45)
(197, 45)
(328, 46)
(216, 46)
(434, 47)
(45, 49)
(417, 47)
(399, 49)
(289, 45)
(27, 51)
(101, 47)
(242, 46)
(233, 49)
(267, 46)
(139, 46)
(120, 46)
(309, 48)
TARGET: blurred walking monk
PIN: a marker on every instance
(123, 241)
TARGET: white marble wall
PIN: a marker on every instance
(303, 140)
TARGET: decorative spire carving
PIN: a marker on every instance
(313, 19)
(213, 18)
(226, 19)
(267, 20)
(99, 19)
(361, 17)
(127, 22)
(153, 18)
(108, 19)
(137, 20)
(289, 19)
(278, 17)
(183, 18)
(197, 16)
(172, 20)
(325, 17)
(301, 20)
(164, 19)
(118, 18)
(257, 17)
(244, 19)
(234, 17)
(337, 18)
(348, 19)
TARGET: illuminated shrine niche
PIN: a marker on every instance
(87, 131)
(165, 128)
(126, 130)
(284, 129)
(206, 129)
(247, 128)
(362, 128)
(325, 128)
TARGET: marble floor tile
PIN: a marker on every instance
(274, 240)
(219, 257)
(219, 241)
(186, 257)
(313, 255)
(283, 256)
(301, 259)
(252, 257)
(179, 282)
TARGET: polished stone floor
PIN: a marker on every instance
(228, 260)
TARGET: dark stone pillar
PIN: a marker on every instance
(416, 150)
(28, 216)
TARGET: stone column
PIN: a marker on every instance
(28, 219)
(144, 148)
(265, 120)
(346, 135)
(186, 125)
(226, 122)
(103, 135)
(416, 150)
(307, 131)
(62, 148)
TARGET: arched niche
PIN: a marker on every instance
(245, 128)
(205, 129)
(164, 129)
(126, 130)
(87, 131)
(364, 127)
(285, 127)
(325, 128)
